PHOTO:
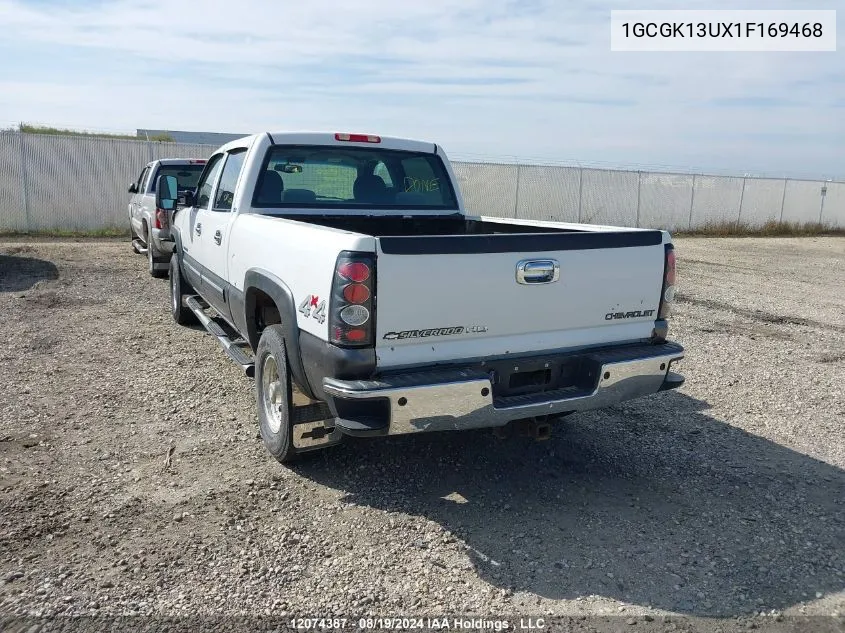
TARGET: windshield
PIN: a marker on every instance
(187, 176)
(351, 177)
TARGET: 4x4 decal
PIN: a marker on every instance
(313, 301)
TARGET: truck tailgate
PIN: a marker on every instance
(444, 298)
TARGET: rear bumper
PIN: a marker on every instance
(459, 399)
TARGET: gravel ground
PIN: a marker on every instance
(720, 503)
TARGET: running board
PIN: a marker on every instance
(139, 246)
(196, 306)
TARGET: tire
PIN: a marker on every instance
(151, 261)
(274, 395)
(179, 287)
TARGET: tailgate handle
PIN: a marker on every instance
(537, 271)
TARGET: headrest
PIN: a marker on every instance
(271, 187)
(369, 188)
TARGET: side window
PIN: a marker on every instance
(231, 170)
(382, 172)
(206, 183)
(141, 179)
(148, 182)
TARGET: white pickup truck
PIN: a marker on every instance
(345, 265)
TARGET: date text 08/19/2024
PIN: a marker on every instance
(412, 623)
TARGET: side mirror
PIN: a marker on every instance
(133, 188)
(166, 193)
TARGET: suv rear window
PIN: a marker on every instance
(187, 176)
(330, 177)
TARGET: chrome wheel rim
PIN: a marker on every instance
(272, 393)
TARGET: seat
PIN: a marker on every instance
(271, 188)
(299, 195)
(410, 198)
(370, 188)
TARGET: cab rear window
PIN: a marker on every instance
(187, 176)
(351, 177)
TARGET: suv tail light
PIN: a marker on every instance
(667, 295)
(160, 220)
(351, 320)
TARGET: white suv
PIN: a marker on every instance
(148, 224)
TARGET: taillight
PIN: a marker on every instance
(354, 271)
(160, 221)
(357, 138)
(354, 315)
(356, 293)
(667, 296)
(352, 322)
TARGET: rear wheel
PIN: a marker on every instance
(274, 395)
(179, 287)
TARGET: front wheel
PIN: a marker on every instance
(274, 395)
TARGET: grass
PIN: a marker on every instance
(26, 128)
(769, 229)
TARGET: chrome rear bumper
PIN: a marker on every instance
(461, 399)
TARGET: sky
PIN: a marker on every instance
(485, 79)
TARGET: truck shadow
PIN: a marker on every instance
(652, 503)
(18, 274)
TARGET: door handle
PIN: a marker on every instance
(537, 271)
(198, 229)
(218, 237)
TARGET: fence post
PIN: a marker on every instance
(639, 188)
(516, 197)
(783, 199)
(824, 195)
(580, 189)
(741, 198)
(24, 197)
(691, 202)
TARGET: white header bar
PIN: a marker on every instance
(729, 30)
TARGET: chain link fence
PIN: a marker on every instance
(70, 183)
